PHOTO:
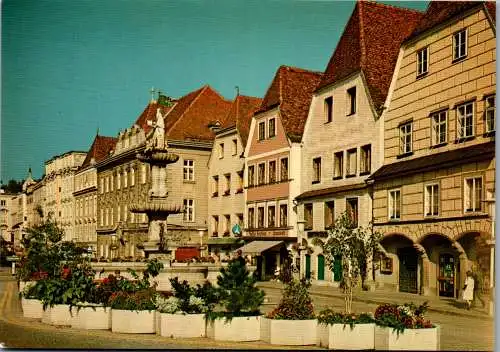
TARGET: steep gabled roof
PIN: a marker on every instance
(99, 150)
(292, 90)
(240, 115)
(441, 11)
(190, 116)
(370, 43)
(149, 113)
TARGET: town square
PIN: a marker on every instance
(263, 189)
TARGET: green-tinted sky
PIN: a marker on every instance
(69, 67)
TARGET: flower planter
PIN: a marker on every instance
(342, 337)
(133, 322)
(24, 284)
(57, 315)
(410, 339)
(182, 325)
(91, 317)
(238, 329)
(288, 332)
(32, 308)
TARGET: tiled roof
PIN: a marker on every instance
(436, 161)
(240, 115)
(440, 11)
(331, 190)
(190, 116)
(370, 43)
(100, 148)
(149, 113)
(292, 90)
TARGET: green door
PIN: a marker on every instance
(337, 268)
(321, 267)
(308, 266)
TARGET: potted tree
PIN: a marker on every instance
(354, 245)
(293, 321)
(405, 327)
(240, 320)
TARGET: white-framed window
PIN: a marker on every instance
(439, 130)
(260, 217)
(251, 175)
(188, 210)
(235, 146)
(422, 61)
(365, 159)
(431, 200)
(465, 120)
(221, 150)
(352, 159)
(188, 170)
(460, 44)
(272, 127)
(251, 218)
(490, 113)
(316, 170)
(473, 194)
(395, 204)
(338, 165)
(262, 130)
(405, 138)
(328, 109)
(261, 175)
(283, 215)
(272, 171)
(284, 169)
(351, 101)
(271, 216)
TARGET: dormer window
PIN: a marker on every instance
(460, 45)
(272, 128)
(422, 61)
(262, 131)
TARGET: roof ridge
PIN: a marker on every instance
(362, 45)
(394, 7)
(200, 91)
(300, 69)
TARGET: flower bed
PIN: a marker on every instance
(32, 308)
(235, 329)
(133, 322)
(91, 317)
(58, 314)
(288, 332)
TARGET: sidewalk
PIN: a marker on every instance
(440, 305)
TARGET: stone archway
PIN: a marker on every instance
(477, 248)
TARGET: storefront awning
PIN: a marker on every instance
(257, 247)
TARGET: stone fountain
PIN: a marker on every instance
(156, 206)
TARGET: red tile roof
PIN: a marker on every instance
(99, 150)
(292, 90)
(441, 11)
(190, 116)
(240, 115)
(370, 43)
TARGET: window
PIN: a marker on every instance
(118, 181)
(251, 175)
(422, 61)
(227, 189)
(262, 130)
(188, 170)
(262, 174)
(308, 216)
(351, 162)
(365, 160)
(439, 128)
(405, 138)
(395, 205)
(473, 194)
(432, 200)
(221, 150)
(227, 224)
(271, 216)
(490, 114)
(283, 215)
(215, 186)
(352, 210)
(329, 109)
(338, 165)
(329, 214)
(351, 101)
(251, 218)
(235, 146)
(260, 217)
(272, 171)
(316, 170)
(465, 120)
(240, 219)
(240, 182)
(284, 169)
(272, 127)
(460, 44)
(215, 225)
(188, 210)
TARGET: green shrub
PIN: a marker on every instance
(296, 303)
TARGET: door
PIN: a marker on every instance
(446, 276)
(337, 268)
(321, 267)
(308, 266)
(408, 263)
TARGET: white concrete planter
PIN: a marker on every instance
(288, 332)
(238, 329)
(91, 318)
(410, 339)
(32, 308)
(133, 322)
(182, 325)
(57, 315)
(342, 337)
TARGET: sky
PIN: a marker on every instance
(72, 67)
